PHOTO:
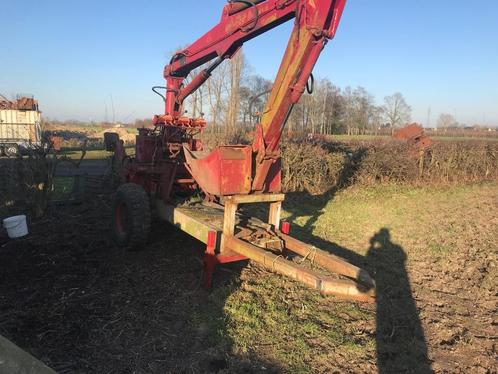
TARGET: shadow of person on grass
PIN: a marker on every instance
(401, 344)
(400, 341)
(316, 204)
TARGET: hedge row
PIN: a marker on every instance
(318, 167)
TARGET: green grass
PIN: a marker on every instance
(94, 154)
(345, 138)
(464, 138)
(90, 155)
(281, 321)
(296, 333)
(63, 186)
(411, 214)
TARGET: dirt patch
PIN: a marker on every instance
(71, 298)
(81, 305)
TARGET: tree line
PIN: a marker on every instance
(233, 97)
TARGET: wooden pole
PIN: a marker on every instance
(344, 289)
(330, 262)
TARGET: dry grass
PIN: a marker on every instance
(279, 321)
(89, 307)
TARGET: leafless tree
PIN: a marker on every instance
(253, 97)
(446, 120)
(230, 98)
(195, 103)
(216, 87)
(357, 111)
(236, 67)
(376, 118)
(396, 111)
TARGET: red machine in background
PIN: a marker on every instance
(170, 162)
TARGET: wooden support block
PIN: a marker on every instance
(228, 224)
(229, 219)
(275, 212)
(249, 199)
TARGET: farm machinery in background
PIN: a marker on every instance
(20, 128)
(170, 165)
(415, 136)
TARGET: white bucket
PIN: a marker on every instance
(16, 226)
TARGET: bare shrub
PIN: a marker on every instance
(35, 176)
(319, 166)
(27, 183)
(444, 163)
(311, 168)
(212, 139)
(387, 162)
(9, 192)
(461, 162)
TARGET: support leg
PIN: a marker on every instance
(275, 211)
(210, 261)
(228, 224)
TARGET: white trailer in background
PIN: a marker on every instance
(20, 126)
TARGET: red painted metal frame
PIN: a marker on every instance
(211, 259)
(286, 226)
(163, 153)
(316, 22)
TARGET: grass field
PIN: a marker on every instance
(345, 138)
(92, 307)
(464, 138)
(433, 254)
(94, 154)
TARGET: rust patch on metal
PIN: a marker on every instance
(414, 134)
(22, 103)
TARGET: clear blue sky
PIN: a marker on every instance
(74, 55)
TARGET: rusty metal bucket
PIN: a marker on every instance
(225, 171)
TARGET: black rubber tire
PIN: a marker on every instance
(131, 217)
(11, 150)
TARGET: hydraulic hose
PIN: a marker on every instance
(249, 4)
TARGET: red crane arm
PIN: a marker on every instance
(239, 23)
(243, 20)
(316, 22)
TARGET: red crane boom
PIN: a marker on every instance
(316, 22)
(169, 162)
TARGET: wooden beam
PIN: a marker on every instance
(327, 260)
(195, 222)
(274, 216)
(250, 199)
(342, 288)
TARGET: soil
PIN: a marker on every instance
(81, 305)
